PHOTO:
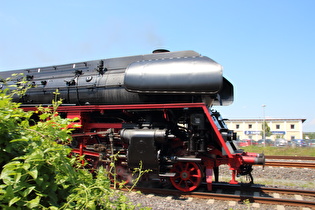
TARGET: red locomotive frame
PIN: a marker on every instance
(186, 172)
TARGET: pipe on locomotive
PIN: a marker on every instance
(253, 158)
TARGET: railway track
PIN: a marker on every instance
(241, 194)
(255, 194)
(290, 164)
(290, 161)
(289, 157)
(251, 195)
(244, 194)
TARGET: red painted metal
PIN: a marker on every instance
(188, 176)
(85, 152)
(217, 132)
(233, 180)
(103, 125)
(209, 164)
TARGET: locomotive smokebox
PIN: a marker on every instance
(184, 75)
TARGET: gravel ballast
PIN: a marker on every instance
(297, 178)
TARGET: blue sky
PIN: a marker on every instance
(267, 47)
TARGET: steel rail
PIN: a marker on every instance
(276, 157)
(257, 199)
(251, 188)
(290, 164)
(231, 197)
(287, 191)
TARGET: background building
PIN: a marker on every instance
(280, 128)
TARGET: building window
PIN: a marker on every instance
(292, 137)
(278, 127)
(237, 126)
(250, 126)
(292, 126)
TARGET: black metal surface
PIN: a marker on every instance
(142, 147)
(169, 77)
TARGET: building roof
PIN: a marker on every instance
(259, 120)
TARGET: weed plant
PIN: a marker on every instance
(36, 170)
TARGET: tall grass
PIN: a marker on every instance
(282, 151)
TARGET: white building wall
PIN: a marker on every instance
(281, 128)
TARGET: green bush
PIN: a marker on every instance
(37, 171)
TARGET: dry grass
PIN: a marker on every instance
(282, 151)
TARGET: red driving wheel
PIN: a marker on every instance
(188, 176)
(123, 175)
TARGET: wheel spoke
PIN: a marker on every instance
(186, 166)
(186, 185)
(192, 169)
(176, 176)
(193, 182)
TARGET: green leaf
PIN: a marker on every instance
(9, 191)
(9, 171)
(44, 116)
(91, 205)
(17, 140)
(39, 180)
(33, 203)
(33, 173)
(14, 200)
(12, 165)
(17, 178)
(28, 191)
(26, 166)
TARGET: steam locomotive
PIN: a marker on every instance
(154, 110)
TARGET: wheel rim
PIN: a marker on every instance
(187, 177)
